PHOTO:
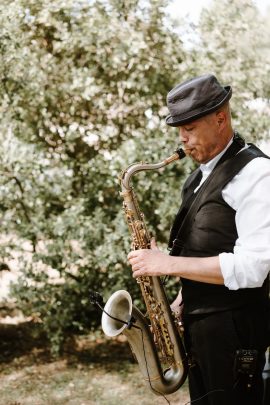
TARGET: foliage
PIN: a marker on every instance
(234, 43)
(83, 87)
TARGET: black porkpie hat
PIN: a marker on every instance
(195, 98)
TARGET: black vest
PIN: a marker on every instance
(211, 232)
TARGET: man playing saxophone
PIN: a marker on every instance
(219, 245)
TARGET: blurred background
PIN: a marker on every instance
(83, 87)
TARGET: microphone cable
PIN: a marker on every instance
(205, 395)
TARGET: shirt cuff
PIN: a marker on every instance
(226, 262)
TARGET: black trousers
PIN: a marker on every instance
(212, 341)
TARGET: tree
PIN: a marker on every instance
(83, 88)
(233, 43)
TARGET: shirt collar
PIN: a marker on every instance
(209, 166)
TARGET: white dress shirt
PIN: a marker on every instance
(248, 193)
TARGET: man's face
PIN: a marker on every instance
(202, 138)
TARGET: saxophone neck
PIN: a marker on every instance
(139, 167)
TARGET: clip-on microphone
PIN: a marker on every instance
(97, 300)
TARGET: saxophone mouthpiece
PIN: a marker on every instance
(180, 152)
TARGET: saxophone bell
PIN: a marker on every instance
(117, 313)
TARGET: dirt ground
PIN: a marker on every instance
(90, 372)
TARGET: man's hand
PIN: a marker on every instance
(149, 262)
(177, 307)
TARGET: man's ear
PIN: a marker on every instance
(221, 119)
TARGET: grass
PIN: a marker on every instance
(89, 372)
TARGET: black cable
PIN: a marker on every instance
(205, 395)
(211, 392)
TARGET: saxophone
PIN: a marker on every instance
(157, 347)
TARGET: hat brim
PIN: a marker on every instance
(177, 120)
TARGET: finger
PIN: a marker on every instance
(134, 254)
(134, 261)
(138, 273)
(131, 254)
(153, 244)
(136, 267)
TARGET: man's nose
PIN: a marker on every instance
(183, 135)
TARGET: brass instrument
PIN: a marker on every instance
(157, 347)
